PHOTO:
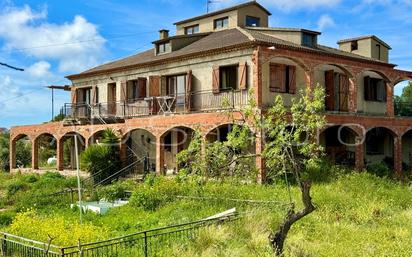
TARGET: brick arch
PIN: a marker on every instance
(210, 130)
(384, 76)
(341, 67)
(71, 133)
(164, 132)
(391, 131)
(94, 134)
(357, 129)
(20, 136)
(295, 60)
(127, 133)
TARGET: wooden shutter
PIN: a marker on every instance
(278, 78)
(330, 92)
(292, 79)
(123, 90)
(188, 91)
(163, 86)
(154, 84)
(367, 94)
(344, 92)
(381, 91)
(216, 80)
(141, 82)
(94, 95)
(242, 76)
(74, 95)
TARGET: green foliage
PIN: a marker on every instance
(23, 153)
(379, 169)
(101, 160)
(47, 149)
(115, 191)
(290, 145)
(4, 151)
(58, 117)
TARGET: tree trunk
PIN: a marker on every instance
(277, 239)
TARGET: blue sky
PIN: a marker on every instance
(52, 39)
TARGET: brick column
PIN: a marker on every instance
(59, 154)
(310, 78)
(160, 154)
(359, 154)
(123, 154)
(397, 155)
(389, 100)
(12, 153)
(257, 76)
(353, 95)
(34, 155)
(260, 164)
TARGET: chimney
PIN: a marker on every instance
(163, 33)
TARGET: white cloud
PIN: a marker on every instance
(325, 21)
(40, 69)
(28, 30)
(286, 4)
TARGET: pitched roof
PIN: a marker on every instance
(223, 11)
(226, 39)
(365, 37)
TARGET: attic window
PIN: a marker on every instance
(252, 21)
(354, 45)
(192, 29)
(308, 40)
(221, 23)
(163, 48)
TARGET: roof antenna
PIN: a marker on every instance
(209, 2)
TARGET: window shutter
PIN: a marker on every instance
(292, 79)
(188, 102)
(277, 78)
(367, 88)
(216, 80)
(142, 87)
(94, 95)
(242, 76)
(154, 85)
(74, 95)
(329, 81)
(123, 92)
(381, 92)
(344, 92)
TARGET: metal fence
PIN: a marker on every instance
(149, 243)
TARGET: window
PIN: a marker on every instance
(176, 86)
(221, 23)
(252, 21)
(192, 29)
(97, 95)
(85, 95)
(136, 89)
(374, 89)
(354, 46)
(308, 40)
(378, 49)
(282, 78)
(228, 77)
(163, 48)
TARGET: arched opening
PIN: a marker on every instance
(174, 141)
(372, 92)
(379, 147)
(96, 137)
(402, 98)
(46, 152)
(336, 81)
(407, 151)
(69, 150)
(20, 151)
(140, 149)
(339, 143)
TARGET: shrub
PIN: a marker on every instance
(15, 186)
(379, 169)
(6, 218)
(115, 191)
(150, 197)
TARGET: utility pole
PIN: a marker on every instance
(52, 87)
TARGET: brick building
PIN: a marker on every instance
(154, 99)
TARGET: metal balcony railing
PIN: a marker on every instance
(178, 103)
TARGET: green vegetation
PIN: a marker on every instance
(358, 214)
(23, 152)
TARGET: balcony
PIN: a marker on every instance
(201, 101)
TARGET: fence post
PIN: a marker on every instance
(4, 246)
(145, 245)
(233, 99)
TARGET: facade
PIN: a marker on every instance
(154, 99)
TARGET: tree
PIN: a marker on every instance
(4, 151)
(292, 148)
(403, 106)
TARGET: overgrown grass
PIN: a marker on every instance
(357, 214)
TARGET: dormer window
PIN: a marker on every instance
(252, 21)
(163, 48)
(192, 29)
(308, 40)
(354, 46)
(221, 23)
